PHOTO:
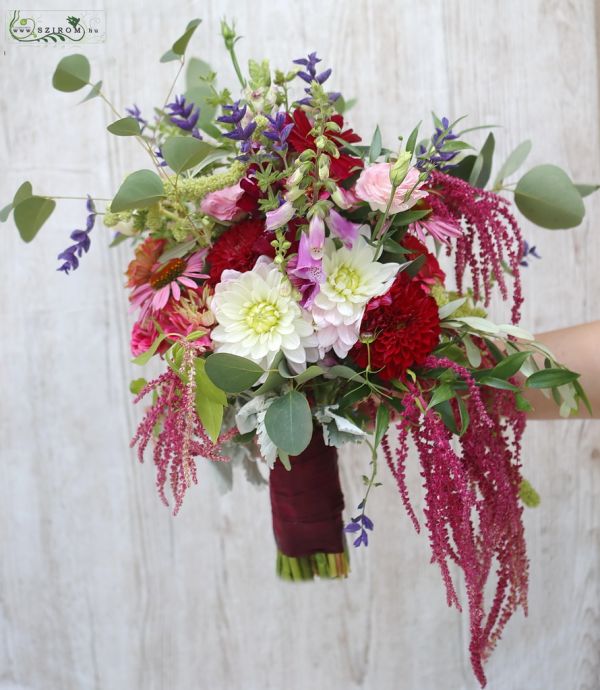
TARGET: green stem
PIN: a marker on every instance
(236, 67)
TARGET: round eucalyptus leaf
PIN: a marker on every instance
(288, 422)
(125, 127)
(72, 73)
(141, 189)
(182, 153)
(546, 196)
(231, 373)
(31, 214)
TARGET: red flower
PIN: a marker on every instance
(430, 272)
(301, 139)
(238, 248)
(405, 330)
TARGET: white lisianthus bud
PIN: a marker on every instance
(126, 227)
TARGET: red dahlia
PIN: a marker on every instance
(430, 272)
(301, 139)
(405, 329)
(238, 248)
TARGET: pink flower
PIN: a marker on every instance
(345, 198)
(440, 229)
(142, 337)
(306, 270)
(341, 227)
(222, 204)
(279, 217)
(375, 187)
(166, 281)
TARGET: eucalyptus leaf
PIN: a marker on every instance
(72, 73)
(546, 196)
(231, 373)
(288, 422)
(5, 212)
(180, 45)
(141, 189)
(30, 214)
(24, 192)
(514, 161)
(169, 56)
(587, 189)
(93, 92)
(309, 373)
(125, 127)
(182, 153)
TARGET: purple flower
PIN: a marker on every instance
(71, 255)
(236, 114)
(341, 227)
(360, 524)
(440, 158)
(279, 216)
(238, 133)
(184, 115)
(279, 131)
(136, 114)
(306, 269)
(527, 252)
(309, 74)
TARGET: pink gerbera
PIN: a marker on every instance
(166, 280)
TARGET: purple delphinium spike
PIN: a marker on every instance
(71, 255)
(279, 131)
(136, 114)
(184, 115)
(527, 252)
(440, 158)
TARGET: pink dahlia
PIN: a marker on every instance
(166, 280)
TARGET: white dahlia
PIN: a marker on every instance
(351, 278)
(258, 316)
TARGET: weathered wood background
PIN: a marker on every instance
(100, 588)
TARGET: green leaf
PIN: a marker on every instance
(145, 357)
(125, 127)
(183, 153)
(284, 459)
(448, 309)
(344, 372)
(483, 165)
(288, 422)
(309, 373)
(407, 217)
(441, 394)
(181, 43)
(382, 422)
(455, 145)
(375, 148)
(463, 168)
(587, 189)
(5, 212)
(210, 401)
(136, 385)
(411, 142)
(71, 74)
(93, 92)
(231, 373)
(464, 416)
(447, 414)
(514, 161)
(353, 396)
(510, 365)
(546, 196)
(528, 495)
(494, 382)
(31, 214)
(141, 189)
(551, 378)
(24, 192)
(473, 352)
(169, 56)
(198, 91)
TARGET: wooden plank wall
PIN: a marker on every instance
(100, 588)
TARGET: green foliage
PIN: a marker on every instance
(141, 189)
(231, 373)
(178, 48)
(183, 153)
(411, 142)
(125, 127)
(375, 148)
(382, 422)
(199, 90)
(514, 161)
(136, 386)
(288, 422)
(587, 189)
(260, 74)
(30, 212)
(145, 357)
(551, 378)
(93, 92)
(528, 495)
(546, 196)
(71, 74)
(210, 401)
(482, 167)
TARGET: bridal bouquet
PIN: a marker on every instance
(285, 277)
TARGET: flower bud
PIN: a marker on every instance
(399, 169)
(324, 167)
(321, 141)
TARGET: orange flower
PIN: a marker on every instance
(146, 255)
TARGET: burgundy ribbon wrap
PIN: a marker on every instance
(307, 502)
